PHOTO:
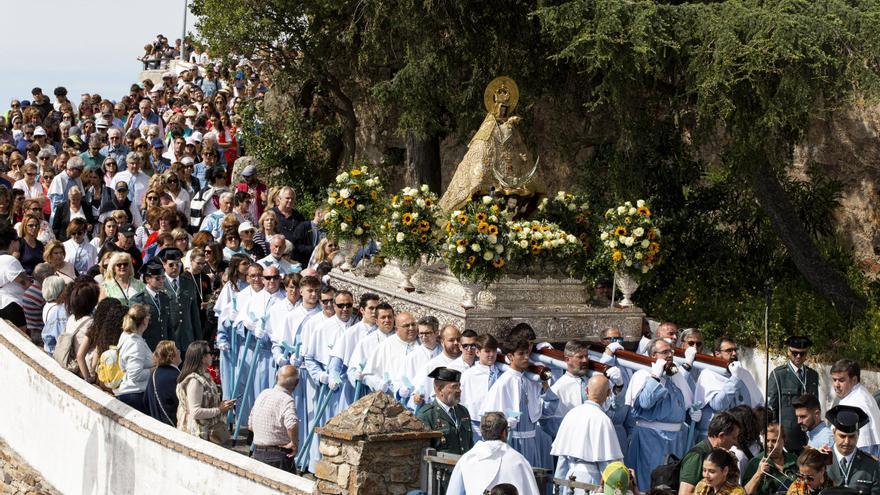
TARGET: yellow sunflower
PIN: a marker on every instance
(356, 172)
(620, 231)
(424, 225)
(471, 259)
(617, 256)
(407, 218)
(644, 211)
(423, 238)
(481, 217)
(482, 227)
(429, 202)
(493, 230)
(339, 201)
(373, 195)
(461, 242)
(462, 219)
(349, 203)
(498, 262)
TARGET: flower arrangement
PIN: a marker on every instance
(353, 202)
(476, 241)
(571, 212)
(410, 226)
(534, 242)
(630, 241)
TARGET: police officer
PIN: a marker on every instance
(155, 298)
(787, 382)
(851, 467)
(446, 415)
(186, 324)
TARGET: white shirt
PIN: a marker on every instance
(474, 387)
(30, 192)
(415, 362)
(459, 364)
(324, 337)
(256, 311)
(364, 349)
(869, 435)
(425, 382)
(82, 256)
(344, 349)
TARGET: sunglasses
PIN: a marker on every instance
(612, 340)
(31, 174)
(469, 346)
(271, 277)
(694, 343)
(122, 190)
(797, 353)
(344, 305)
(327, 302)
(152, 198)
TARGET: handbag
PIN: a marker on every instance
(65, 352)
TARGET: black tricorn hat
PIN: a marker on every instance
(799, 342)
(445, 374)
(847, 419)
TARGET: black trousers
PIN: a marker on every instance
(275, 457)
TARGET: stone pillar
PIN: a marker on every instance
(372, 448)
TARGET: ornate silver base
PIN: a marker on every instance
(555, 306)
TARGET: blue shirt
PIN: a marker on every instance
(118, 154)
(820, 436)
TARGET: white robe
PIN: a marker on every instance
(243, 297)
(585, 444)
(387, 362)
(414, 366)
(869, 435)
(254, 314)
(490, 463)
(363, 350)
(569, 390)
(423, 381)
(474, 387)
(459, 365)
(323, 338)
(344, 349)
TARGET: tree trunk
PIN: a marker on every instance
(422, 161)
(824, 279)
(345, 110)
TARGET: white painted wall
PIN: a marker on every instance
(83, 451)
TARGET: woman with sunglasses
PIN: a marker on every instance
(109, 169)
(29, 184)
(69, 210)
(120, 281)
(30, 248)
(34, 207)
(812, 476)
(53, 254)
(77, 250)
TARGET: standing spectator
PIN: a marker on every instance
(161, 395)
(256, 188)
(145, 118)
(78, 251)
(73, 209)
(201, 410)
(106, 233)
(134, 358)
(137, 183)
(92, 157)
(786, 383)
(87, 353)
(32, 302)
(30, 248)
(29, 184)
(81, 300)
(288, 217)
(54, 256)
(266, 228)
(54, 312)
(209, 199)
(13, 283)
(115, 148)
(120, 282)
(306, 237)
(274, 421)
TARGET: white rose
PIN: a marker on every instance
(572, 207)
(456, 213)
(560, 195)
(493, 218)
(342, 177)
(488, 256)
(425, 189)
(499, 248)
(523, 244)
(638, 256)
(621, 210)
(415, 216)
(646, 243)
(400, 236)
(361, 207)
(451, 247)
(331, 201)
(333, 213)
(343, 226)
(358, 231)
(395, 215)
(627, 203)
(538, 235)
(612, 244)
(364, 169)
(493, 239)
(628, 263)
(344, 193)
(460, 249)
(487, 200)
(604, 236)
(571, 239)
(632, 211)
(475, 247)
(638, 232)
(585, 206)
(628, 241)
(526, 231)
(640, 203)
(420, 202)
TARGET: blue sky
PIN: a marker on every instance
(87, 46)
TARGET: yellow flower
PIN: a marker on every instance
(494, 208)
(483, 227)
(620, 231)
(407, 200)
(339, 201)
(462, 219)
(333, 194)
(407, 218)
(536, 249)
(493, 230)
(349, 202)
(423, 238)
(644, 211)
(617, 256)
(424, 225)
(471, 259)
(414, 231)
(481, 217)
(627, 220)
(653, 248)
(429, 202)
(461, 242)
(652, 234)
(356, 172)
(467, 266)
(394, 199)
(373, 195)
(498, 263)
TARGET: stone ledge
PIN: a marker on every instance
(379, 437)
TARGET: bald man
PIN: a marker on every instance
(274, 422)
(587, 442)
(384, 369)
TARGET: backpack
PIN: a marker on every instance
(669, 474)
(65, 352)
(108, 370)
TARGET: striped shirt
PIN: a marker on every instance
(32, 303)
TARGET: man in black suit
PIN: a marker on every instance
(306, 236)
(186, 325)
(155, 298)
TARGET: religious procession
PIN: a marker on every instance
(148, 248)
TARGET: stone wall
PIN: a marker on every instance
(372, 448)
(17, 478)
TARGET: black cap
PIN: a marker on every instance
(170, 254)
(122, 186)
(799, 342)
(847, 419)
(152, 268)
(60, 91)
(445, 374)
(127, 229)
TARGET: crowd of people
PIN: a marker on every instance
(136, 252)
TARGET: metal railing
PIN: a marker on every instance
(437, 468)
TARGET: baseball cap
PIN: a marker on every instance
(249, 171)
(245, 226)
(127, 229)
(39, 131)
(187, 160)
(157, 143)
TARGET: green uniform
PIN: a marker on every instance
(186, 326)
(772, 482)
(783, 386)
(457, 436)
(863, 475)
(692, 463)
(159, 327)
